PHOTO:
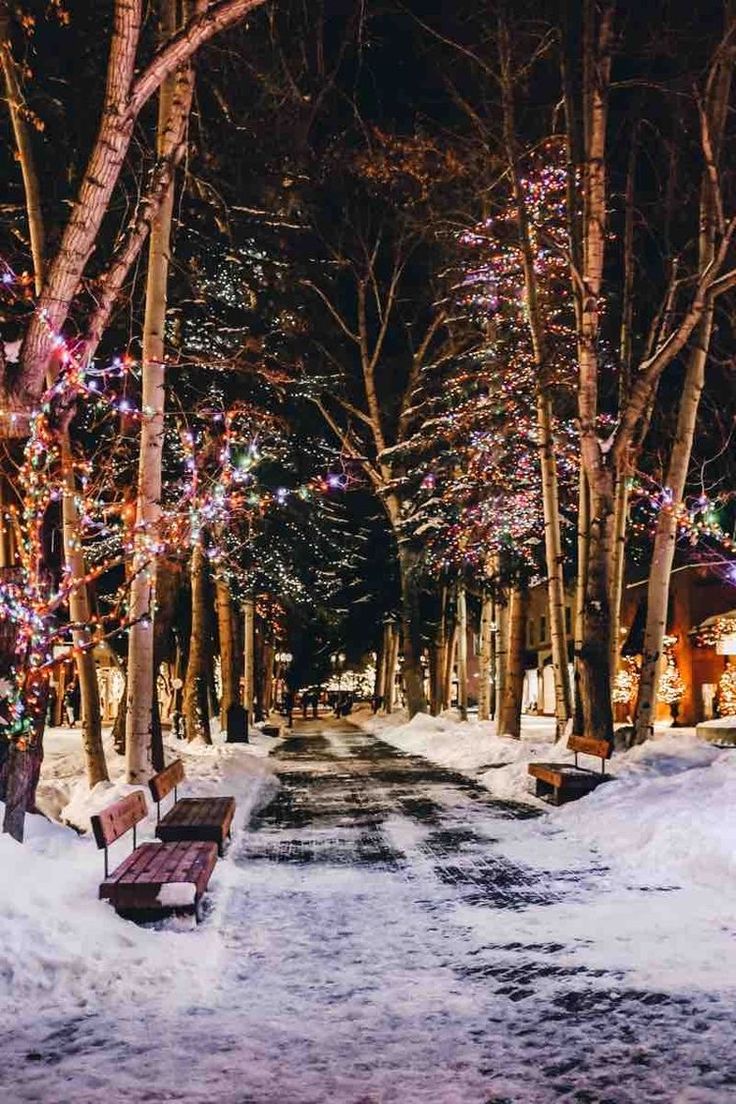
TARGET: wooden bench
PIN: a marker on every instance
(273, 728)
(190, 818)
(558, 783)
(156, 878)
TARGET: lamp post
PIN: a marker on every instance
(283, 660)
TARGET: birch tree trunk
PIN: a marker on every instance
(595, 651)
(509, 719)
(618, 566)
(621, 508)
(554, 558)
(501, 660)
(392, 657)
(24, 150)
(665, 539)
(450, 657)
(173, 108)
(594, 655)
(249, 627)
(126, 93)
(437, 657)
(411, 634)
(268, 680)
(79, 613)
(228, 655)
(196, 689)
(580, 589)
(462, 652)
(379, 684)
(486, 657)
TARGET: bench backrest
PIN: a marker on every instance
(118, 818)
(166, 780)
(582, 745)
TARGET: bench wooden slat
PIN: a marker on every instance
(203, 818)
(155, 865)
(587, 746)
(546, 772)
(128, 863)
(166, 780)
(118, 818)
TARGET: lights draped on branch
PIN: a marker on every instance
(213, 454)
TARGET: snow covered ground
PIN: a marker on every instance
(388, 932)
(58, 942)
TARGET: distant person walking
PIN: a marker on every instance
(51, 706)
(289, 707)
(72, 699)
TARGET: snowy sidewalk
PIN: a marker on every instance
(389, 933)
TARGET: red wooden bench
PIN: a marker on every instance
(156, 878)
(190, 818)
(558, 783)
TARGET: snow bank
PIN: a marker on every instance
(670, 815)
(59, 944)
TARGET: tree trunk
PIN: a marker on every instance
(379, 684)
(621, 510)
(462, 652)
(141, 661)
(435, 678)
(486, 658)
(79, 613)
(595, 651)
(119, 724)
(392, 656)
(618, 567)
(437, 658)
(22, 768)
(580, 586)
(125, 96)
(411, 634)
(21, 780)
(594, 684)
(509, 719)
(450, 655)
(501, 658)
(226, 632)
(666, 531)
(268, 662)
(546, 447)
(24, 150)
(665, 538)
(554, 560)
(196, 711)
(249, 622)
(74, 557)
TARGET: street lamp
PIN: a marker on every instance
(283, 659)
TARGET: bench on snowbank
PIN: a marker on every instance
(190, 818)
(558, 783)
(156, 878)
